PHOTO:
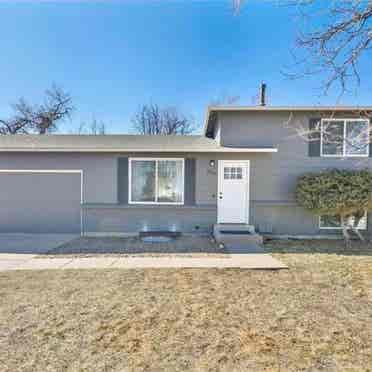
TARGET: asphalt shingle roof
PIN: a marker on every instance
(115, 143)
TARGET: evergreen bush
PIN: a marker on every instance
(335, 192)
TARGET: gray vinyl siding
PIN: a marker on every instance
(134, 218)
(206, 180)
(273, 177)
(99, 170)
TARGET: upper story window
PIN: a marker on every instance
(156, 181)
(344, 137)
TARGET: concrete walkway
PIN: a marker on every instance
(243, 261)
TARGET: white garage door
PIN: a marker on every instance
(40, 202)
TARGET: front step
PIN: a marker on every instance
(240, 234)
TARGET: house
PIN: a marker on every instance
(242, 170)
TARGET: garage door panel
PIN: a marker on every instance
(40, 202)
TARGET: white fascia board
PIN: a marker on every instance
(222, 149)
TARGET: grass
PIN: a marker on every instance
(316, 316)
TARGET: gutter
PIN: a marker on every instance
(126, 150)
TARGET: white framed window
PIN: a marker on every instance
(334, 222)
(156, 180)
(344, 138)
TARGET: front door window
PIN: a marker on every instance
(233, 173)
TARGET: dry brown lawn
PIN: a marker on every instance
(316, 316)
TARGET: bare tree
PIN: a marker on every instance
(151, 119)
(39, 119)
(95, 128)
(334, 47)
(237, 5)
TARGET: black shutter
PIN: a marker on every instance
(314, 137)
(190, 169)
(123, 186)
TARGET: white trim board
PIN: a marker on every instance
(40, 171)
(56, 171)
(144, 150)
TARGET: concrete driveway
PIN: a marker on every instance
(32, 243)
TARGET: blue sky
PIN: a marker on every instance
(113, 56)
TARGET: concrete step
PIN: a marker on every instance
(246, 248)
(233, 227)
(236, 234)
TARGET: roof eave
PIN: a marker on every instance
(138, 150)
(210, 109)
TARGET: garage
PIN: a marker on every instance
(40, 201)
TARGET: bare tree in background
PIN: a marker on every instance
(39, 119)
(237, 5)
(96, 127)
(151, 119)
(335, 46)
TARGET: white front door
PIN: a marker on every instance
(233, 191)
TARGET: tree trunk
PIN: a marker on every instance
(345, 233)
(357, 219)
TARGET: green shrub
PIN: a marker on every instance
(336, 192)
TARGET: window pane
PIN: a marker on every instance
(332, 137)
(335, 222)
(233, 173)
(226, 173)
(170, 181)
(357, 137)
(362, 225)
(330, 221)
(143, 181)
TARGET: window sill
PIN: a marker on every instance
(345, 156)
(155, 204)
(338, 229)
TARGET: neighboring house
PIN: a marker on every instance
(242, 170)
